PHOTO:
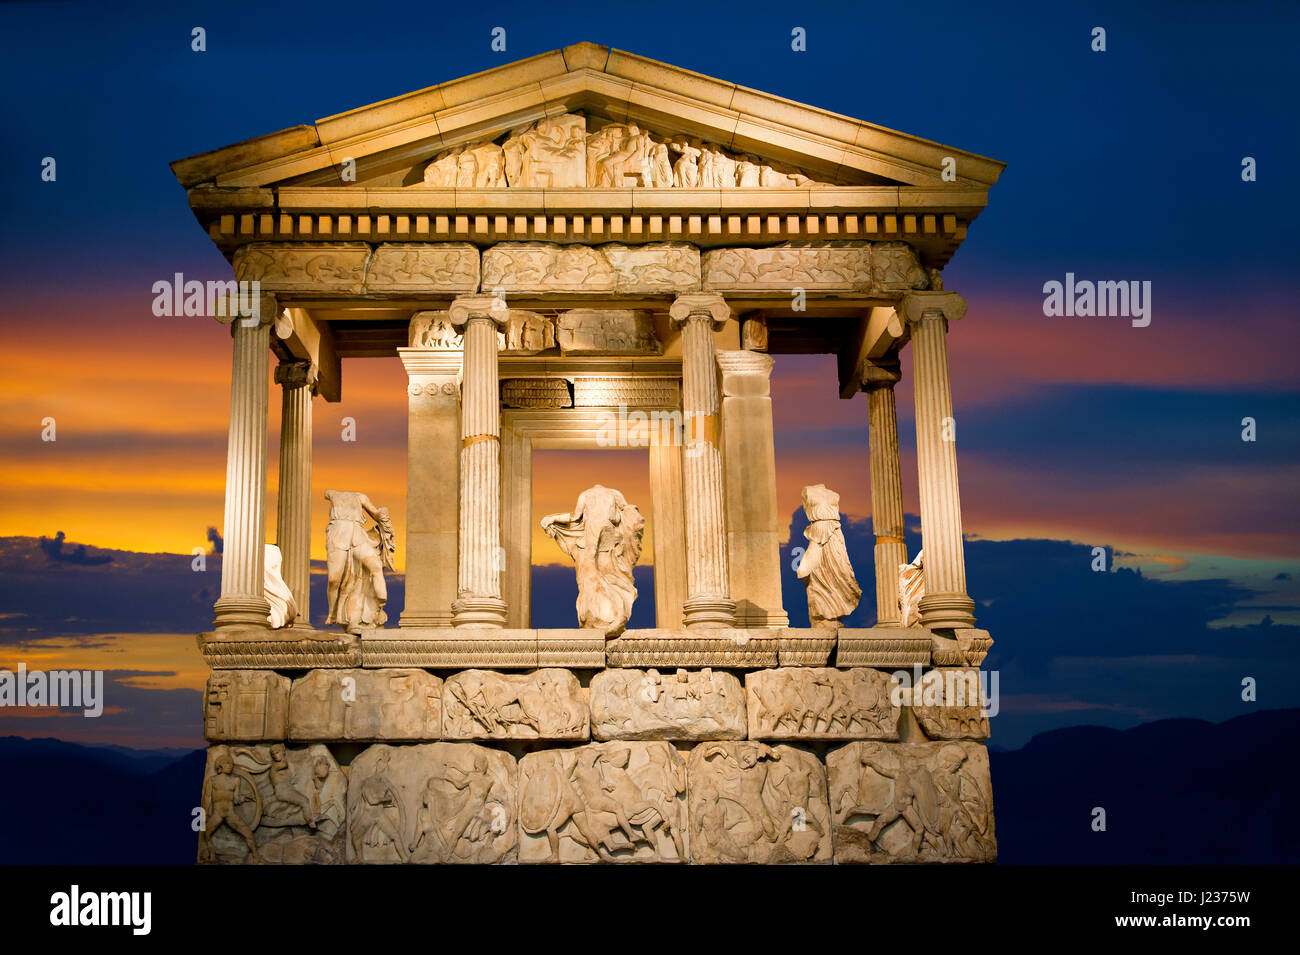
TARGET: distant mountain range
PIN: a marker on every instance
(1173, 791)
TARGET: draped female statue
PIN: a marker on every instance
(603, 536)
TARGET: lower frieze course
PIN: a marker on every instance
(604, 802)
(431, 803)
(272, 804)
(751, 802)
(912, 802)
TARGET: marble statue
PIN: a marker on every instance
(284, 610)
(833, 590)
(603, 536)
(911, 588)
(356, 556)
(551, 153)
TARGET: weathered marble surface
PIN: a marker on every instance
(607, 331)
(429, 803)
(423, 267)
(245, 705)
(822, 266)
(886, 647)
(563, 152)
(366, 705)
(912, 802)
(820, 703)
(949, 704)
(307, 267)
(656, 267)
(751, 802)
(272, 804)
(685, 705)
(609, 802)
(544, 704)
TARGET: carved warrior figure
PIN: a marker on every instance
(911, 588)
(918, 803)
(272, 804)
(616, 800)
(603, 536)
(357, 556)
(284, 610)
(825, 570)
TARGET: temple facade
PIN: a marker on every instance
(590, 249)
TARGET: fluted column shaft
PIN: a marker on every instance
(297, 381)
(708, 603)
(242, 602)
(478, 600)
(886, 495)
(945, 604)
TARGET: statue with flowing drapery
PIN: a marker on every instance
(825, 570)
(603, 536)
(357, 555)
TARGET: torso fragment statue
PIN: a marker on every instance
(357, 556)
(911, 588)
(833, 590)
(284, 610)
(603, 536)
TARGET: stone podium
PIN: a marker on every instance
(589, 249)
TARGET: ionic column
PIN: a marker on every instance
(242, 602)
(478, 595)
(432, 484)
(708, 603)
(878, 380)
(945, 604)
(297, 381)
(749, 465)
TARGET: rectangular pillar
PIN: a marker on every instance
(749, 480)
(432, 485)
(668, 518)
(517, 526)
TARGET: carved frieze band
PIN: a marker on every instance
(840, 267)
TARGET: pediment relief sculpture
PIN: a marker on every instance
(573, 150)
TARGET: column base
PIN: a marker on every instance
(706, 612)
(947, 611)
(241, 610)
(471, 611)
(756, 618)
(425, 618)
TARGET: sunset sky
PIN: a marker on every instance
(1122, 165)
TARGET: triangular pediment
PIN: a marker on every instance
(594, 117)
